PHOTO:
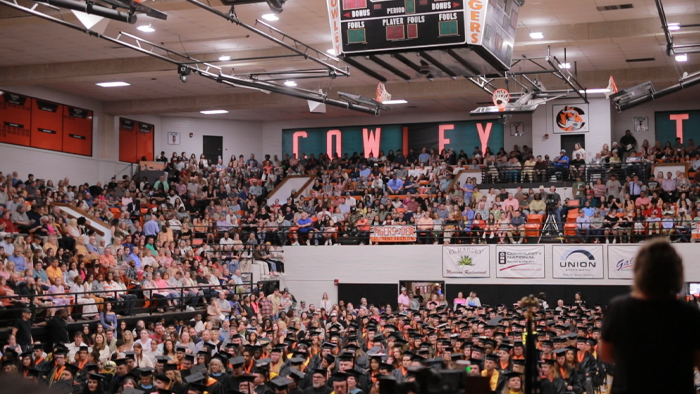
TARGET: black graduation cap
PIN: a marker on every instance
(162, 359)
(346, 356)
(130, 355)
(519, 362)
(92, 368)
(351, 347)
(189, 357)
(73, 369)
(248, 377)
(205, 353)
(196, 377)
(549, 362)
(320, 371)
(281, 382)
(386, 366)
(237, 361)
(120, 361)
(170, 367)
(129, 390)
(492, 357)
(165, 391)
(296, 374)
(163, 377)
(328, 345)
(180, 348)
(200, 388)
(199, 368)
(145, 371)
(96, 376)
(296, 360)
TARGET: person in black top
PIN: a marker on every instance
(22, 329)
(651, 324)
(627, 144)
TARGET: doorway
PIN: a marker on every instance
(213, 146)
(423, 289)
(569, 141)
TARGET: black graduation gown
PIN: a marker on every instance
(322, 390)
(296, 391)
(221, 378)
(556, 386)
(113, 386)
(185, 373)
(364, 383)
(215, 388)
(589, 366)
(574, 381)
(179, 388)
(64, 387)
(263, 389)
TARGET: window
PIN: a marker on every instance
(354, 4)
(356, 36)
(412, 31)
(395, 33)
(448, 28)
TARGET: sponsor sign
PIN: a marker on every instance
(621, 261)
(577, 262)
(393, 234)
(520, 261)
(469, 261)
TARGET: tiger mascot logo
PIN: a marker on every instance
(571, 119)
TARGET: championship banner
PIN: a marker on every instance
(577, 262)
(393, 234)
(621, 261)
(520, 261)
(466, 261)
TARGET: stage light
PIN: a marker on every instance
(536, 35)
(674, 26)
(683, 57)
(395, 102)
(565, 65)
(594, 91)
(271, 17)
(291, 84)
(112, 84)
(224, 58)
(214, 112)
(146, 28)
(331, 52)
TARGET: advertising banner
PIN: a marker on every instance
(577, 262)
(520, 261)
(621, 261)
(393, 234)
(468, 261)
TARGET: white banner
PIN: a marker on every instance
(621, 261)
(577, 262)
(520, 261)
(470, 261)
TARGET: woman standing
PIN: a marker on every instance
(325, 302)
(658, 278)
(89, 307)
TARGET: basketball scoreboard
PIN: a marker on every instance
(363, 27)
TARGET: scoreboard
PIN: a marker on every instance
(360, 27)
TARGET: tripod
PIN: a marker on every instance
(550, 228)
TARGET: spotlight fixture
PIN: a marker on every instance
(674, 26)
(224, 58)
(214, 112)
(565, 65)
(271, 17)
(146, 28)
(395, 102)
(291, 84)
(683, 57)
(536, 35)
(331, 52)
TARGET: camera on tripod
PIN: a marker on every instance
(551, 204)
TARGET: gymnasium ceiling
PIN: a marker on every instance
(598, 45)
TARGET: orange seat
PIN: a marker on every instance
(572, 213)
(533, 229)
(535, 218)
(570, 229)
(573, 203)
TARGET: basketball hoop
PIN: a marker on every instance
(382, 94)
(500, 98)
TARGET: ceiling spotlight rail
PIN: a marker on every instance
(187, 65)
(297, 47)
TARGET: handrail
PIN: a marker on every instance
(82, 213)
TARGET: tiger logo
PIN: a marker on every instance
(571, 119)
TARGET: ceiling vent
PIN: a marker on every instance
(641, 60)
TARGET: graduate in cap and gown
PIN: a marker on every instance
(318, 382)
(550, 383)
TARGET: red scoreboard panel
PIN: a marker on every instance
(354, 4)
(15, 118)
(77, 131)
(395, 33)
(412, 31)
(47, 125)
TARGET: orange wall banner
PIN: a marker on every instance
(144, 141)
(77, 131)
(47, 125)
(15, 119)
(135, 141)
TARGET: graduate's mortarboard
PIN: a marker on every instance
(145, 371)
(549, 362)
(129, 390)
(120, 361)
(248, 377)
(163, 377)
(170, 367)
(281, 382)
(386, 366)
(511, 375)
(296, 374)
(96, 376)
(296, 360)
(165, 391)
(320, 371)
(130, 355)
(189, 357)
(560, 352)
(492, 357)
(519, 362)
(73, 369)
(237, 362)
(92, 368)
(328, 345)
(195, 377)
(346, 356)
(180, 348)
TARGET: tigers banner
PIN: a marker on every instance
(393, 234)
(466, 261)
